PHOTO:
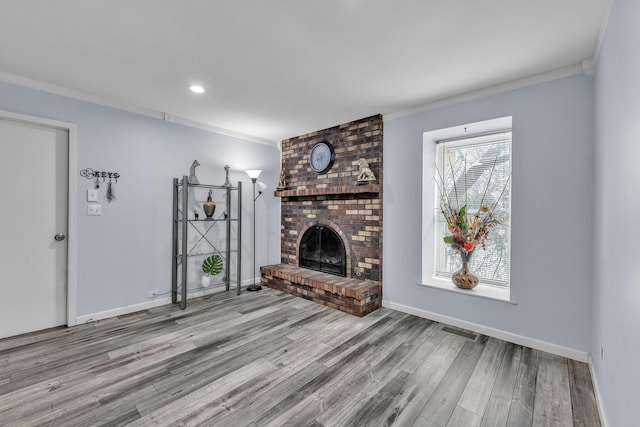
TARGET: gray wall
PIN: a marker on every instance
(552, 221)
(616, 303)
(127, 252)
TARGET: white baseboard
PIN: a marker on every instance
(596, 390)
(93, 317)
(571, 353)
(155, 302)
(248, 282)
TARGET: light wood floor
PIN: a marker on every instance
(268, 358)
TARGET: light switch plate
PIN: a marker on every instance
(94, 209)
(92, 195)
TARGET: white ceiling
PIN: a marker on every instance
(279, 68)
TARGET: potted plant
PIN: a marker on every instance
(211, 266)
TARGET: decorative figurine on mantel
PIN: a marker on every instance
(193, 179)
(226, 180)
(282, 183)
(366, 175)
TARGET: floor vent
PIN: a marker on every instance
(466, 334)
(135, 313)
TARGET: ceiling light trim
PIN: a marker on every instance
(532, 80)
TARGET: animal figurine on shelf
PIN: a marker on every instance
(227, 183)
(365, 176)
(282, 183)
(193, 179)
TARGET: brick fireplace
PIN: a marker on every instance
(332, 206)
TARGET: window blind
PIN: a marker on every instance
(473, 171)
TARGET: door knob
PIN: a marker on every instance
(59, 237)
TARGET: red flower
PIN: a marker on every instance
(467, 246)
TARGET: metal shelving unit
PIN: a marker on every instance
(182, 226)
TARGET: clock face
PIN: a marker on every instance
(322, 157)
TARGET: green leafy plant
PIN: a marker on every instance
(212, 265)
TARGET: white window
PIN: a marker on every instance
(475, 171)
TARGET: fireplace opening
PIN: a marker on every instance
(322, 249)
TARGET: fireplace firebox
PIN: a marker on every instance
(322, 249)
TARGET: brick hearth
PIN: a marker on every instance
(333, 200)
(357, 297)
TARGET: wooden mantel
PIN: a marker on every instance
(324, 191)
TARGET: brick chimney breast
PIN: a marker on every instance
(335, 199)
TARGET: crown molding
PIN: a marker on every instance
(106, 102)
(588, 67)
(603, 30)
(211, 128)
(77, 95)
(533, 80)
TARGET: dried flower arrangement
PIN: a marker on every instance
(469, 230)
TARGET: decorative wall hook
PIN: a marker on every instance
(99, 176)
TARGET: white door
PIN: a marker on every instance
(33, 191)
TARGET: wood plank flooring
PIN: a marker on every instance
(270, 359)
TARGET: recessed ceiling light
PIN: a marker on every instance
(196, 89)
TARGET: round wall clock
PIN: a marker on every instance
(322, 157)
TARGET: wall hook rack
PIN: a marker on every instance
(99, 176)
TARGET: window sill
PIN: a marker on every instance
(494, 293)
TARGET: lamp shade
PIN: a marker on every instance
(261, 186)
(253, 173)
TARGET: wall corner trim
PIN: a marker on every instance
(588, 67)
(596, 389)
(571, 353)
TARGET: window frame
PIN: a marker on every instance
(469, 141)
(430, 204)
